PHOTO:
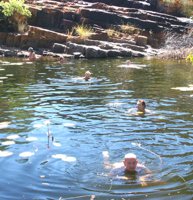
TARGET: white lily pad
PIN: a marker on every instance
(184, 89)
(69, 124)
(4, 125)
(64, 157)
(5, 153)
(38, 125)
(12, 137)
(3, 77)
(26, 154)
(30, 139)
(8, 142)
(57, 144)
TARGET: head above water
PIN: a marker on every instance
(30, 49)
(130, 162)
(87, 75)
(141, 105)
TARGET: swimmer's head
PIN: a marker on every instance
(30, 49)
(87, 75)
(130, 162)
(141, 105)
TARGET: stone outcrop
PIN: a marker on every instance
(53, 23)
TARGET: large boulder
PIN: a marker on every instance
(59, 48)
(95, 52)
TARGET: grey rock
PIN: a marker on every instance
(59, 48)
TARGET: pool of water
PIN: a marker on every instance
(86, 118)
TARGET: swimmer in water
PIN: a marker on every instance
(129, 168)
(87, 75)
(141, 105)
(32, 55)
(140, 109)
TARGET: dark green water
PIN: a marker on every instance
(88, 118)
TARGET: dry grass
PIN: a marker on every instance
(83, 31)
(111, 32)
(177, 46)
(129, 29)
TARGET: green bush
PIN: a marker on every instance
(16, 13)
(15, 6)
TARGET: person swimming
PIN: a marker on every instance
(141, 105)
(140, 109)
(130, 165)
(129, 168)
(87, 75)
(32, 55)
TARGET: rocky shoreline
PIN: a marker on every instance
(53, 20)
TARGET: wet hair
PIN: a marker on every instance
(130, 155)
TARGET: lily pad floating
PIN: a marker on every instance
(132, 66)
(7, 143)
(69, 124)
(9, 75)
(3, 77)
(12, 137)
(31, 139)
(64, 157)
(57, 144)
(4, 125)
(26, 154)
(184, 89)
(5, 153)
(38, 125)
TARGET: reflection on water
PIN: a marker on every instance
(87, 118)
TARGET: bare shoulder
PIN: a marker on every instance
(117, 165)
(142, 169)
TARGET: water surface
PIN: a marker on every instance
(87, 118)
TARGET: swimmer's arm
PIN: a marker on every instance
(107, 163)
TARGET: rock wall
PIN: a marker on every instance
(52, 20)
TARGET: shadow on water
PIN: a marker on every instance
(87, 118)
